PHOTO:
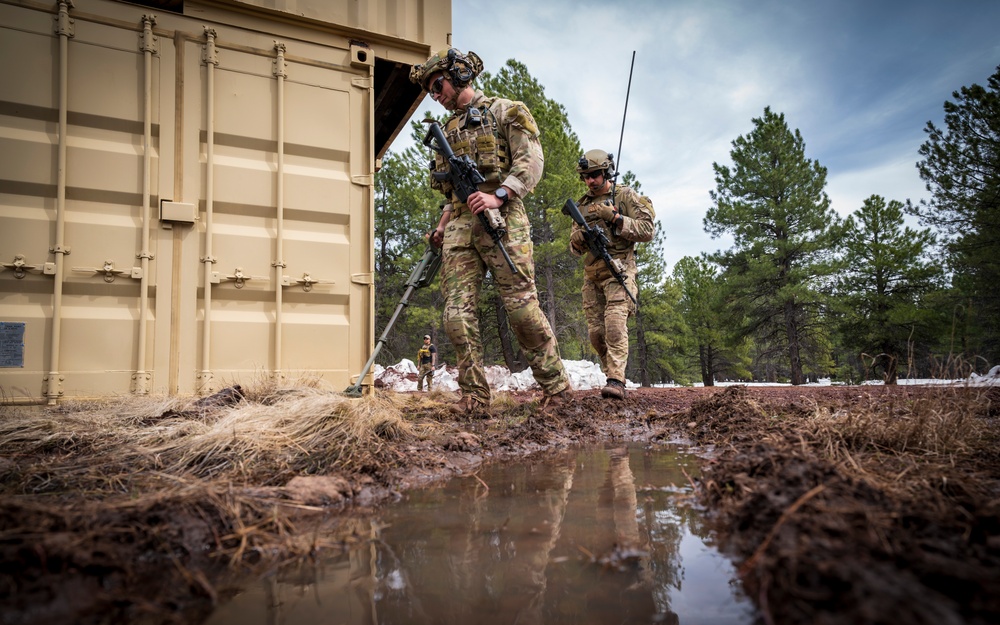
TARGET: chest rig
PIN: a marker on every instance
(424, 355)
(618, 247)
(476, 132)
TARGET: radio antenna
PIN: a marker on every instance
(628, 90)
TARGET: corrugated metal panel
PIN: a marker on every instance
(257, 284)
(421, 21)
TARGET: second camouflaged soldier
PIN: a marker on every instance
(627, 218)
(501, 137)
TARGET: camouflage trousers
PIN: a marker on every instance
(607, 308)
(468, 253)
(426, 371)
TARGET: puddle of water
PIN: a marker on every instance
(593, 536)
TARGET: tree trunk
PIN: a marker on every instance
(704, 359)
(641, 353)
(792, 332)
(550, 295)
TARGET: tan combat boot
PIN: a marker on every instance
(552, 403)
(614, 389)
(469, 408)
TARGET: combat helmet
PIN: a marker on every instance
(460, 68)
(595, 160)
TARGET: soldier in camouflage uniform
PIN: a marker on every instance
(626, 218)
(501, 137)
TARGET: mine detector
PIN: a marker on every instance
(187, 188)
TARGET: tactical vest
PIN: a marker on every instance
(619, 247)
(478, 136)
(424, 354)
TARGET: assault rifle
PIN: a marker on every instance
(598, 243)
(465, 180)
(421, 276)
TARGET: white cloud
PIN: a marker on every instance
(893, 180)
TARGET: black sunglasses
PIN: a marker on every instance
(591, 174)
(436, 86)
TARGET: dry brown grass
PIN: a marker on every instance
(943, 422)
(203, 477)
(907, 445)
(276, 432)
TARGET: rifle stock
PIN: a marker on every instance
(597, 243)
(465, 179)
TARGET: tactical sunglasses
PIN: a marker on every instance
(591, 174)
(436, 86)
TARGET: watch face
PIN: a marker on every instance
(501, 193)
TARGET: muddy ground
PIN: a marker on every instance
(839, 505)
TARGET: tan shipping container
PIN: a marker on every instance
(186, 188)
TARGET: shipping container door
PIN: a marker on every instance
(78, 296)
(286, 231)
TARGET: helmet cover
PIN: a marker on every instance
(595, 160)
(461, 68)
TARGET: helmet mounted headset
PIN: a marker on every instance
(460, 69)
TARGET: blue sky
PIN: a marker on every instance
(859, 79)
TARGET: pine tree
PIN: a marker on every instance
(885, 278)
(655, 351)
(774, 205)
(961, 167)
(717, 351)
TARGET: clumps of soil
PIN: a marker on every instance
(728, 416)
(840, 505)
(158, 558)
(115, 508)
(885, 514)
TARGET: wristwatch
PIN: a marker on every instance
(501, 193)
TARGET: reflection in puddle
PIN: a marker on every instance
(593, 536)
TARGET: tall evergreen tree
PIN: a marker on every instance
(961, 167)
(657, 327)
(885, 278)
(772, 201)
(717, 351)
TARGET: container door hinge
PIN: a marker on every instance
(53, 388)
(206, 382)
(278, 65)
(364, 180)
(64, 25)
(361, 83)
(141, 381)
(148, 41)
(363, 278)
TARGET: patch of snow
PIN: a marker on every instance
(586, 375)
(583, 375)
(988, 379)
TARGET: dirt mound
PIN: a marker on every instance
(832, 534)
(840, 505)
